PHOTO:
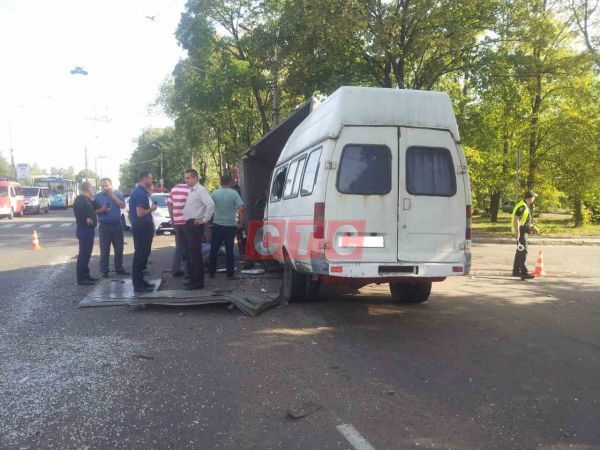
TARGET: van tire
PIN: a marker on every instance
(298, 287)
(410, 292)
(11, 215)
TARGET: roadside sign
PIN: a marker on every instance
(23, 171)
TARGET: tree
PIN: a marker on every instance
(5, 167)
(587, 18)
(151, 144)
(68, 173)
(576, 146)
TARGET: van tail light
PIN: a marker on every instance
(319, 220)
(469, 222)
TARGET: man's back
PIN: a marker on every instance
(227, 201)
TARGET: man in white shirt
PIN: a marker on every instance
(198, 210)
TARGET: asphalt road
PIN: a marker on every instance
(488, 362)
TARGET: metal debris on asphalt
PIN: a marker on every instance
(300, 411)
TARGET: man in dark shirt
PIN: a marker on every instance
(142, 228)
(521, 227)
(108, 204)
(85, 215)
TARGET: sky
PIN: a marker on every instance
(50, 116)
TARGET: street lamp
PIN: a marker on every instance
(96, 168)
(161, 163)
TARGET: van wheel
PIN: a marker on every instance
(11, 215)
(38, 210)
(410, 292)
(298, 287)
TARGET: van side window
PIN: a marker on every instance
(365, 170)
(310, 172)
(296, 186)
(289, 182)
(278, 184)
(430, 171)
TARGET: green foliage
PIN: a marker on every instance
(151, 144)
(5, 168)
(525, 95)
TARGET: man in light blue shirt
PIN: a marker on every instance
(228, 216)
(108, 204)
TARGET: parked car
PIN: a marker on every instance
(37, 199)
(162, 221)
(12, 202)
(381, 171)
(125, 223)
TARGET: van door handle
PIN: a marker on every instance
(406, 203)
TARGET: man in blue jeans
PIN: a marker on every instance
(85, 216)
(228, 205)
(108, 204)
(142, 228)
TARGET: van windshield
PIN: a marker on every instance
(3, 191)
(29, 191)
(365, 170)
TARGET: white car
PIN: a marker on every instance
(162, 221)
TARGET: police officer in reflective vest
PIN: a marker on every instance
(521, 226)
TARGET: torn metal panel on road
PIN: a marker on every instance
(121, 293)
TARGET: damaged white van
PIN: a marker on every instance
(372, 187)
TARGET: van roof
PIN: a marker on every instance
(352, 105)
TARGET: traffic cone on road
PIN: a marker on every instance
(35, 243)
(539, 265)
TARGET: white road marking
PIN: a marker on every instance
(27, 225)
(46, 225)
(8, 225)
(63, 225)
(354, 437)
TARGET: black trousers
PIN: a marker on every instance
(222, 233)
(143, 233)
(110, 234)
(519, 267)
(85, 235)
(194, 235)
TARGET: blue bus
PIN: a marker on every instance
(62, 191)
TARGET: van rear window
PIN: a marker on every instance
(430, 171)
(365, 170)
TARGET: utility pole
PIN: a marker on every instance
(162, 181)
(12, 151)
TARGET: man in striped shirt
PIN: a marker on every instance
(175, 203)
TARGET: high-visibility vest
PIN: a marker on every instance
(523, 217)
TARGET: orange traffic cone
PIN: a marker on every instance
(35, 244)
(539, 265)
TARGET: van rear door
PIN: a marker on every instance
(362, 185)
(432, 203)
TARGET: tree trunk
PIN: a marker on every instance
(262, 110)
(387, 75)
(578, 212)
(494, 206)
(533, 133)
